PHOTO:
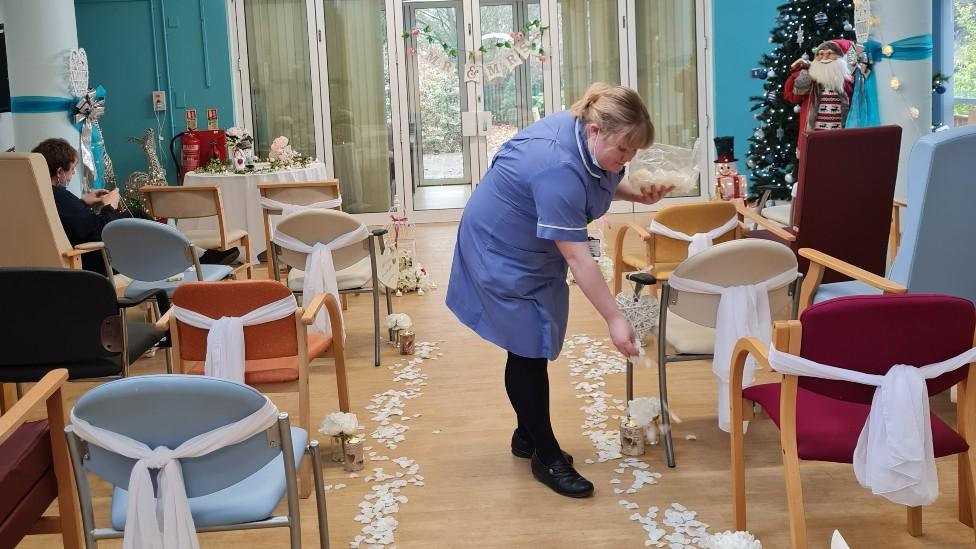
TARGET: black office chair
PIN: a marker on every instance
(66, 318)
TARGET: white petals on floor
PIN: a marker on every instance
(388, 410)
(594, 360)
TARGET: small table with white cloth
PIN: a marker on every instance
(242, 201)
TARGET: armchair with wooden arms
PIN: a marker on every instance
(31, 234)
(842, 207)
(35, 469)
(934, 255)
(183, 202)
(278, 197)
(277, 353)
(661, 254)
(821, 418)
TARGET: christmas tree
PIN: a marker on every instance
(802, 25)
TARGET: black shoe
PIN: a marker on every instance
(524, 449)
(217, 257)
(561, 477)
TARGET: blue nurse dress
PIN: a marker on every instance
(508, 280)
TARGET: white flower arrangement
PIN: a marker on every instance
(283, 156)
(339, 424)
(732, 540)
(398, 321)
(646, 412)
(237, 136)
(413, 277)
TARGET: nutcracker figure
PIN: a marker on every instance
(728, 183)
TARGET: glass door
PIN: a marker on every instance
(440, 155)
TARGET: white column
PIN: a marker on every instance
(39, 35)
(897, 20)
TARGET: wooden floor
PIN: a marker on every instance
(476, 494)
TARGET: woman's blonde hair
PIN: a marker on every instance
(617, 110)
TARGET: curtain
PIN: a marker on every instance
(280, 75)
(355, 35)
(589, 47)
(667, 69)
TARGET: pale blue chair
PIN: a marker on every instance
(150, 253)
(936, 254)
(234, 488)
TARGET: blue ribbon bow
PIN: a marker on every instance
(82, 111)
(864, 103)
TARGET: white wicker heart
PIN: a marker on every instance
(641, 314)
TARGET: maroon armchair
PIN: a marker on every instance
(821, 420)
(35, 469)
(845, 188)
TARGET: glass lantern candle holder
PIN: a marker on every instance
(353, 455)
(407, 342)
(631, 438)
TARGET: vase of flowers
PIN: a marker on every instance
(342, 427)
(646, 414)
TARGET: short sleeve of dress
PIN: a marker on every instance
(560, 203)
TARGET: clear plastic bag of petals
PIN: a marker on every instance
(663, 165)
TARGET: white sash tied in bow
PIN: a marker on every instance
(165, 521)
(320, 273)
(699, 242)
(894, 456)
(288, 209)
(743, 311)
(225, 339)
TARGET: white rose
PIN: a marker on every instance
(643, 410)
(339, 423)
(391, 321)
(404, 322)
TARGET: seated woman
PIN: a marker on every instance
(81, 220)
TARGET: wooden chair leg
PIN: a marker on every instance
(970, 456)
(246, 241)
(914, 521)
(8, 396)
(965, 490)
(794, 498)
(305, 467)
(344, 300)
(738, 468)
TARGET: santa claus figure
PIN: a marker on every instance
(822, 88)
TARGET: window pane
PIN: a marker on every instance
(280, 75)
(588, 46)
(359, 103)
(964, 76)
(667, 69)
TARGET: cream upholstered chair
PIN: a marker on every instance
(687, 320)
(172, 202)
(662, 253)
(31, 234)
(301, 193)
(355, 265)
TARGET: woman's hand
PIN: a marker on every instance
(93, 198)
(650, 195)
(111, 198)
(623, 336)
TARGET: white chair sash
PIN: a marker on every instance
(894, 456)
(225, 339)
(743, 311)
(165, 521)
(288, 209)
(320, 273)
(699, 242)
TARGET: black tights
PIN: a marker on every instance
(527, 385)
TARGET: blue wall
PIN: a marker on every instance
(740, 35)
(137, 46)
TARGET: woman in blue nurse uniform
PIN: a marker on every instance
(522, 227)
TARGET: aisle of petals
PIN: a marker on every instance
(593, 360)
(388, 410)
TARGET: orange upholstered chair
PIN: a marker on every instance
(277, 354)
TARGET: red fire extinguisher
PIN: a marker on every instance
(191, 156)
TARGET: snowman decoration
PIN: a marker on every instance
(729, 184)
